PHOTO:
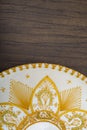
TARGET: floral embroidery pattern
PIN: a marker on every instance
(39, 116)
(43, 103)
(75, 120)
(46, 96)
(10, 116)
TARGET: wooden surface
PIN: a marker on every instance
(52, 31)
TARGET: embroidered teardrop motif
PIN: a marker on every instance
(45, 96)
(11, 116)
(75, 119)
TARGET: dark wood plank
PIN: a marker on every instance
(52, 31)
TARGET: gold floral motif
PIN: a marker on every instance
(41, 100)
(9, 117)
(42, 116)
(75, 120)
(45, 96)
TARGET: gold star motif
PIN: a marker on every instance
(2, 89)
(69, 81)
(27, 76)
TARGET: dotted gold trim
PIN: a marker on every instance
(44, 65)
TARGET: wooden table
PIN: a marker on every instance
(51, 31)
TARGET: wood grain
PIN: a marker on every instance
(52, 31)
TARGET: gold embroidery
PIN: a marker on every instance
(78, 75)
(83, 77)
(34, 65)
(66, 70)
(70, 98)
(69, 81)
(43, 99)
(10, 116)
(2, 75)
(21, 68)
(46, 65)
(27, 66)
(75, 120)
(60, 68)
(1, 128)
(7, 71)
(45, 96)
(53, 66)
(42, 116)
(14, 69)
(20, 94)
(2, 89)
(73, 72)
(27, 76)
(39, 65)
